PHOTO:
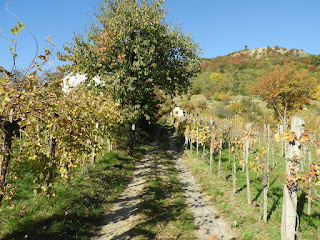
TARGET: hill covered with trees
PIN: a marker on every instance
(227, 85)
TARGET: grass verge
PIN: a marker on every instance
(76, 209)
(233, 206)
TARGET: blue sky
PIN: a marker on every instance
(220, 26)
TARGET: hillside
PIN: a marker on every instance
(259, 58)
(272, 52)
(226, 80)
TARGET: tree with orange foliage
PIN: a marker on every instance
(285, 89)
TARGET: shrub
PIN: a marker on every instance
(202, 104)
(223, 112)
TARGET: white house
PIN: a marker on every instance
(177, 112)
(72, 80)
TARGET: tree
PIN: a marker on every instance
(285, 89)
(44, 130)
(136, 53)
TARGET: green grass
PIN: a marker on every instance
(243, 217)
(166, 215)
(75, 211)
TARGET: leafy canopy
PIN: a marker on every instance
(285, 89)
(136, 53)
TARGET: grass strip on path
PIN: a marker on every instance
(166, 215)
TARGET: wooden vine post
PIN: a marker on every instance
(203, 151)
(51, 164)
(229, 143)
(10, 129)
(309, 190)
(197, 143)
(234, 176)
(219, 166)
(212, 139)
(246, 152)
(289, 206)
(131, 139)
(94, 145)
(247, 144)
(265, 180)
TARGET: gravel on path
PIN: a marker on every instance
(210, 224)
(123, 216)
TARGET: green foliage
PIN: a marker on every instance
(17, 29)
(202, 104)
(236, 73)
(136, 53)
(221, 111)
(75, 210)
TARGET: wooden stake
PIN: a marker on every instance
(234, 176)
(309, 190)
(289, 206)
(247, 170)
(219, 167)
(265, 185)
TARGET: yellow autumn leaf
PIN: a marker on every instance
(252, 165)
(241, 162)
(285, 136)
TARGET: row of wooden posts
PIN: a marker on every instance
(289, 220)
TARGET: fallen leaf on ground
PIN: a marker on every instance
(212, 237)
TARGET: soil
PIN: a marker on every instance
(124, 216)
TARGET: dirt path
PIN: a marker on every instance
(206, 218)
(124, 216)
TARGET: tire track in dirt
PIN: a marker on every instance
(124, 216)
